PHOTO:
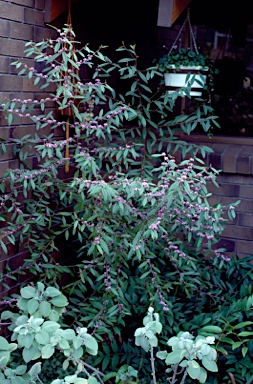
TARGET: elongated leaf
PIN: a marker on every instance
(212, 329)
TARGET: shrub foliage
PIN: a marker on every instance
(108, 213)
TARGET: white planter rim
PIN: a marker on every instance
(187, 68)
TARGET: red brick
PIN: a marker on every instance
(5, 133)
(24, 3)
(246, 205)
(41, 33)
(4, 64)
(237, 179)
(11, 83)
(28, 86)
(11, 47)
(228, 189)
(235, 232)
(224, 200)
(22, 130)
(4, 166)
(245, 247)
(244, 165)
(12, 11)
(21, 31)
(14, 164)
(40, 4)
(8, 154)
(4, 28)
(246, 191)
(34, 17)
(215, 160)
(230, 158)
(245, 219)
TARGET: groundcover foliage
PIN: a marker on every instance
(111, 218)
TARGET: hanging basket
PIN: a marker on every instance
(185, 67)
(195, 77)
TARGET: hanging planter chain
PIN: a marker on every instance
(192, 38)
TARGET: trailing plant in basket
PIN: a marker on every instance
(123, 214)
(183, 57)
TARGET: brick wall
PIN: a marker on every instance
(20, 21)
(233, 156)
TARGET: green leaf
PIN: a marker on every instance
(209, 365)
(202, 375)
(77, 342)
(193, 372)
(42, 337)
(227, 340)
(35, 369)
(91, 380)
(22, 304)
(4, 345)
(44, 308)
(162, 355)
(47, 351)
(52, 292)
(59, 301)
(64, 344)
(32, 306)
(237, 344)
(244, 351)
(245, 333)
(80, 380)
(6, 315)
(91, 345)
(53, 315)
(31, 353)
(243, 324)
(142, 341)
(21, 369)
(211, 329)
(78, 353)
(28, 292)
(173, 357)
(222, 350)
(50, 326)
(25, 340)
(109, 376)
(4, 359)
(106, 362)
(68, 334)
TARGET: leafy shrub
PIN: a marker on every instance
(136, 225)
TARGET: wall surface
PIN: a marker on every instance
(233, 157)
(20, 21)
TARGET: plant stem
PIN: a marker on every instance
(92, 368)
(184, 377)
(174, 374)
(152, 359)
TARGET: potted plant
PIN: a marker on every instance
(184, 67)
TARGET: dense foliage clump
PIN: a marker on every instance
(114, 212)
